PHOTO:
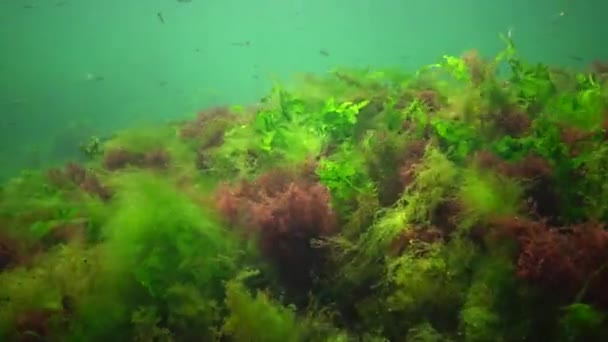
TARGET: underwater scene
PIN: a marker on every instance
(198, 170)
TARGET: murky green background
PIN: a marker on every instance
(73, 68)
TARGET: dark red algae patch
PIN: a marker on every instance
(36, 325)
(445, 216)
(66, 232)
(286, 212)
(512, 122)
(429, 234)
(76, 175)
(543, 199)
(413, 155)
(116, 159)
(9, 251)
(531, 167)
(573, 257)
(195, 128)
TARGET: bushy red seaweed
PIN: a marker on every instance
(75, 175)
(119, 158)
(413, 155)
(445, 216)
(66, 233)
(157, 159)
(565, 261)
(531, 167)
(513, 122)
(36, 325)
(9, 251)
(93, 186)
(193, 129)
(33, 325)
(576, 139)
(408, 237)
(430, 98)
(286, 213)
(542, 199)
(476, 65)
(599, 67)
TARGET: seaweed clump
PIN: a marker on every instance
(574, 257)
(467, 201)
(9, 251)
(286, 214)
(120, 158)
(76, 175)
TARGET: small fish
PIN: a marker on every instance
(18, 101)
(510, 32)
(243, 44)
(558, 16)
(94, 78)
(324, 53)
(160, 17)
(163, 83)
(575, 58)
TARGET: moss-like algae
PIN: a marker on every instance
(450, 200)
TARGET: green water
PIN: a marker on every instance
(52, 52)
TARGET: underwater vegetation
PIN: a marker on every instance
(464, 202)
